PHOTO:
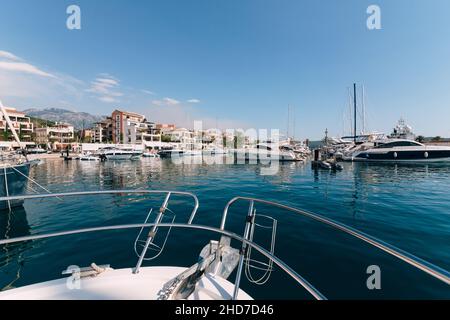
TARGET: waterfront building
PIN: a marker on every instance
(164, 127)
(86, 135)
(57, 137)
(130, 127)
(102, 131)
(184, 138)
(23, 127)
(178, 135)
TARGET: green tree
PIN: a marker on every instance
(6, 135)
(420, 139)
(165, 138)
(437, 138)
(20, 133)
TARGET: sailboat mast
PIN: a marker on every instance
(293, 124)
(363, 104)
(354, 110)
(287, 130)
(350, 113)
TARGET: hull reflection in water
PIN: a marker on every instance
(13, 181)
(12, 225)
(406, 205)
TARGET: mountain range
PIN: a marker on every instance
(79, 120)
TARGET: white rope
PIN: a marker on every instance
(6, 188)
(33, 181)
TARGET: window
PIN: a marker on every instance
(398, 144)
(263, 147)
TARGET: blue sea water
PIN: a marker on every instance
(405, 205)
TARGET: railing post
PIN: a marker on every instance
(152, 233)
(248, 226)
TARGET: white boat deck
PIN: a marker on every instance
(122, 284)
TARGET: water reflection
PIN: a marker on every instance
(13, 224)
(406, 205)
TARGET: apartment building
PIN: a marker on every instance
(86, 135)
(21, 123)
(130, 127)
(164, 127)
(102, 132)
(58, 136)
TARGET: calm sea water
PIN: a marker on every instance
(407, 206)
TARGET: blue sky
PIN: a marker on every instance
(235, 63)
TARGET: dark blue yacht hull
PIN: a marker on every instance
(13, 182)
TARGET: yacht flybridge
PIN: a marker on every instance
(211, 273)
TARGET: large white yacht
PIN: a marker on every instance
(267, 151)
(400, 150)
(179, 150)
(115, 153)
(213, 149)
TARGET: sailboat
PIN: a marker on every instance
(14, 169)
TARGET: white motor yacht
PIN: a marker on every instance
(115, 153)
(88, 156)
(214, 150)
(267, 151)
(400, 150)
(150, 154)
(178, 152)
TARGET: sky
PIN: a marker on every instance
(233, 63)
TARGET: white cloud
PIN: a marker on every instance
(23, 67)
(107, 99)
(107, 82)
(166, 102)
(25, 84)
(148, 92)
(9, 56)
(13, 64)
(105, 88)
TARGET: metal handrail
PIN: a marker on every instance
(283, 266)
(88, 193)
(433, 270)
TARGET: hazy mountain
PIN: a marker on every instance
(77, 119)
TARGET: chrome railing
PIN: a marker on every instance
(421, 264)
(157, 224)
(433, 270)
(88, 193)
(283, 266)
